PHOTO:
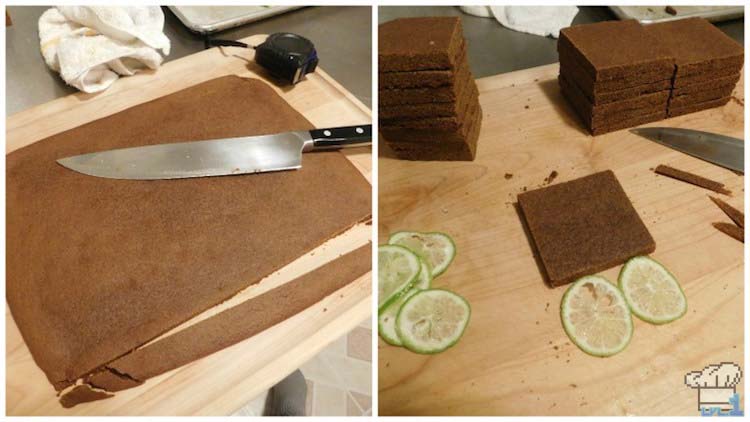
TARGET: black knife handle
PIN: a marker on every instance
(341, 137)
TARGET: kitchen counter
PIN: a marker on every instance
(494, 49)
(342, 36)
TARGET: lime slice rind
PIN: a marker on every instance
(432, 321)
(436, 248)
(387, 317)
(651, 291)
(398, 268)
(607, 320)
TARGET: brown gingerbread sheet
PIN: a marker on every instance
(97, 267)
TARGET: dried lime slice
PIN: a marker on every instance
(596, 317)
(387, 317)
(398, 268)
(437, 249)
(651, 291)
(432, 320)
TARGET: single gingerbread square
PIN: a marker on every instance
(583, 226)
(428, 43)
(616, 49)
(698, 46)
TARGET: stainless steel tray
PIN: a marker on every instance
(209, 19)
(654, 14)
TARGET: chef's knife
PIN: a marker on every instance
(217, 157)
(718, 149)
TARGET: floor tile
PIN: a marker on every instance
(328, 401)
(319, 370)
(356, 374)
(359, 344)
(364, 402)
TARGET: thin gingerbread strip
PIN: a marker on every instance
(731, 230)
(235, 324)
(736, 215)
(691, 178)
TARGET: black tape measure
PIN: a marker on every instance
(285, 55)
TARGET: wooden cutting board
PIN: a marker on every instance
(514, 358)
(220, 383)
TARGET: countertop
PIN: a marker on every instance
(494, 49)
(29, 82)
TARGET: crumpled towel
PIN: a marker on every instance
(538, 20)
(92, 46)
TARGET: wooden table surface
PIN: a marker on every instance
(515, 358)
(220, 383)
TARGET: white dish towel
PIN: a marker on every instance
(93, 46)
(544, 21)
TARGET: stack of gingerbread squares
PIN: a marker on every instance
(614, 74)
(428, 102)
(707, 64)
(620, 74)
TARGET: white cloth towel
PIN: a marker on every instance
(544, 21)
(93, 46)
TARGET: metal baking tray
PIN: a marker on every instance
(654, 14)
(209, 19)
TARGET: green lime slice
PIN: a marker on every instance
(387, 318)
(432, 320)
(651, 291)
(398, 268)
(596, 317)
(437, 249)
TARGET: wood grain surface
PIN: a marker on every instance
(220, 383)
(514, 358)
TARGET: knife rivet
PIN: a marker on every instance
(359, 130)
(327, 132)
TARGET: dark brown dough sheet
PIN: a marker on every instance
(615, 49)
(441, 94)
(718, 83)
(583, 226)
(234, 324)
(683, 81)
(423, 43)
(435, 151)
(434, 136)
(646, 101)
(628, 122)
(623, 94)
(435, 123)
(467, 92)
(593, 89)
(614, 121)
(421, 78)
(693, 108)
(701, 96)
(97, 267)
(697, 45)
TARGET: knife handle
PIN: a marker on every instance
(341, 137)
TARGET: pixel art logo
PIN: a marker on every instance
(717, 389)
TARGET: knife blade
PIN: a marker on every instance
(721, 150)
(217, 157)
